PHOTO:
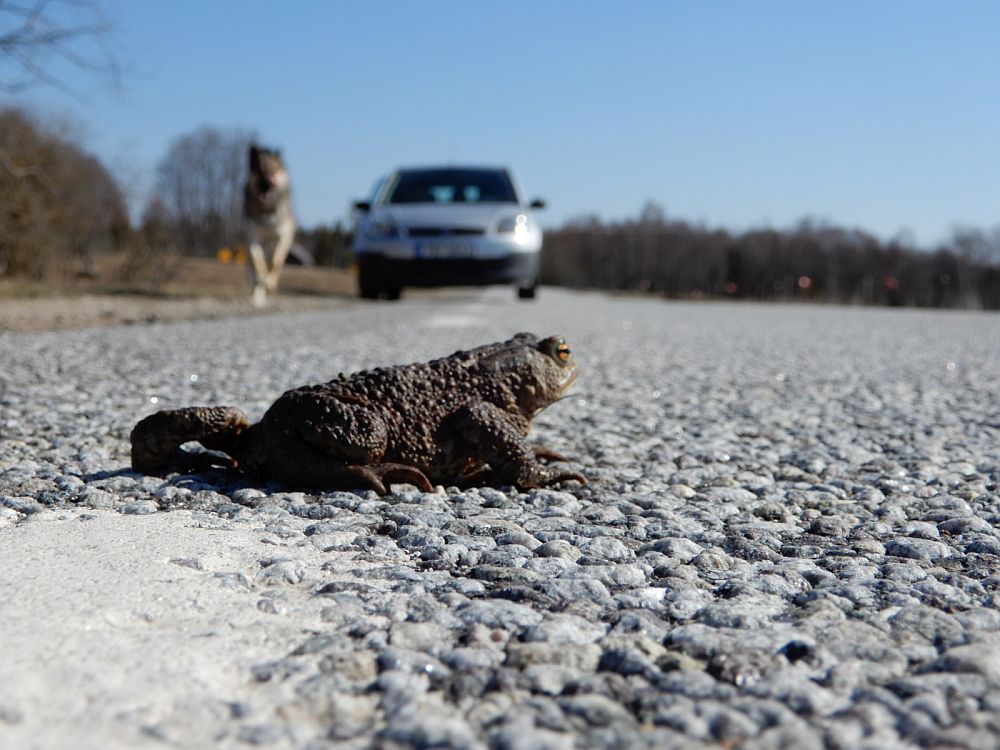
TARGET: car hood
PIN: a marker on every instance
(464, 215)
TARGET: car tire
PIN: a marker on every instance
(368, 287)
(368, 292)
(527, 292)
(393, 293)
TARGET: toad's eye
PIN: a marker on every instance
(562, 352)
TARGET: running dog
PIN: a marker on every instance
(267, 206)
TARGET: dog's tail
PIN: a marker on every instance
(157, 439)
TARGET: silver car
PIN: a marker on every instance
(443, 226)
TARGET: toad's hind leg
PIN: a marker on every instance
(157, 439)
(376, 477)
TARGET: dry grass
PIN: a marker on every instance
(188, 277)
(195, 288)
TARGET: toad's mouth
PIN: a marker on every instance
(537, 403)
(572, 373)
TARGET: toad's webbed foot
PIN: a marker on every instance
(402, 474)
(546, 475)
(530, 475)
(538, 475)
(373, 477)
(157, 439)
(548, 454)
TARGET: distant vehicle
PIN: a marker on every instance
(443, 226)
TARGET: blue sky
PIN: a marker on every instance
(882, 115)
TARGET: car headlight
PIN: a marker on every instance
(516, 225)
(384, 228)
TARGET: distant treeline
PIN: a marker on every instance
(809, 262)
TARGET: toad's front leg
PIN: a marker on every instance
(498, 438)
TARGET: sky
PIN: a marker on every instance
(883, 116)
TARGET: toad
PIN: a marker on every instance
(461, 419)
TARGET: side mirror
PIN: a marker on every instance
(537, 203)
(362, 206)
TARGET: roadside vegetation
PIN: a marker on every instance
(64, 221)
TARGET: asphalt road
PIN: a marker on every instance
(787, 538)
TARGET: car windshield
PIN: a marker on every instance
(453, 186)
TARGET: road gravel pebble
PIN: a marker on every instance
(788, 539)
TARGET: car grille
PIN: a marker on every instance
(442, 232)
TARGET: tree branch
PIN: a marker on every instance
(37, 34)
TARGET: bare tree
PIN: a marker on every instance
(200, 184)
(40, 40)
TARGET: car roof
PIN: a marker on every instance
(453, 168)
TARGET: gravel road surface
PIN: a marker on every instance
(788, 540)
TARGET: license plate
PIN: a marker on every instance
(445, 250)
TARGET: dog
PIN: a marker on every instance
(267, 207)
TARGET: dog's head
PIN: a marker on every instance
(267, 170)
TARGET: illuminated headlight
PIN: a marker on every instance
(516, 225)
